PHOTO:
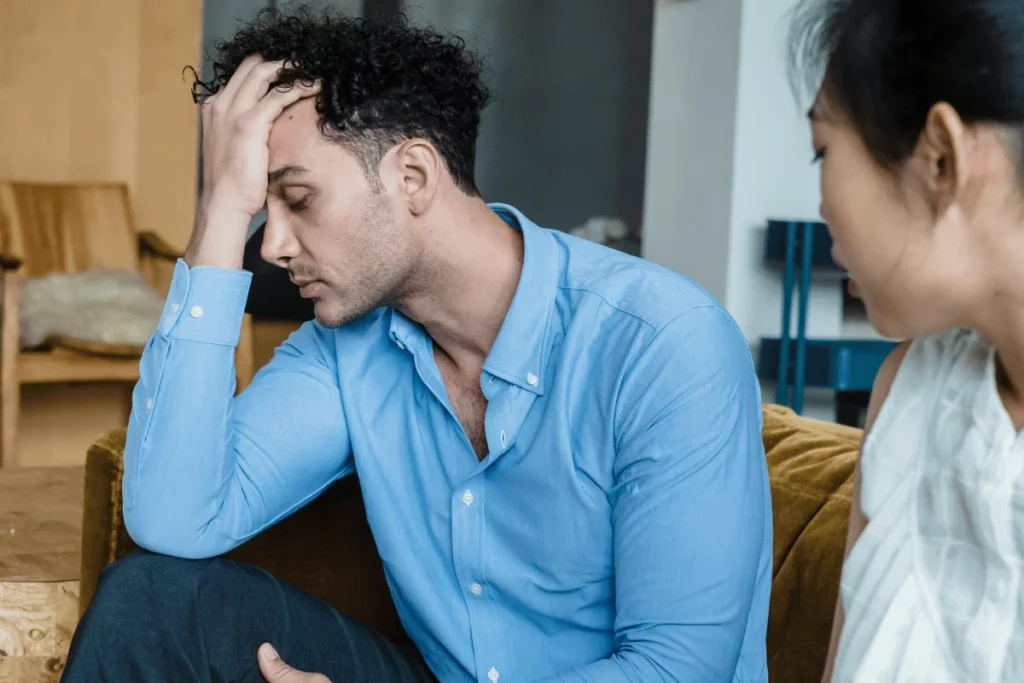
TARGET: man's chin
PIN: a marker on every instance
(334, 316)
(328, 318)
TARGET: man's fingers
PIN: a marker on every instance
(255, 86)
(275, 670)
(279, 99)
(226, 95)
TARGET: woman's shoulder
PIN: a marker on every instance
(913, 368)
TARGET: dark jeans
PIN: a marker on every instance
(156, 619)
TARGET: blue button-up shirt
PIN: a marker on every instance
(619, 528)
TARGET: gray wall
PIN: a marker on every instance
(565, 138)
(222, 17)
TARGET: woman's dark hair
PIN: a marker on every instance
(884, 63)
(382, 81)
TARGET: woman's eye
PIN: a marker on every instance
(819, 154)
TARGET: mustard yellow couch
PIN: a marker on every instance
(811, 468)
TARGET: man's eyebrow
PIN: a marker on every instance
(279, 174)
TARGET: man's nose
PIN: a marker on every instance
(279, 243)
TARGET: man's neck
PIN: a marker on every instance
(471, 271)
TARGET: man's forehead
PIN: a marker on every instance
(299, 122)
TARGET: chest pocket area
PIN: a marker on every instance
(559, 524)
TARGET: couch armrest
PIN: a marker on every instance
(325, 549)
(104, 537)
(810, 465)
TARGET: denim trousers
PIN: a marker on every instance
(157, 619)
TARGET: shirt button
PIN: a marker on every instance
(532, 380)
(149, 404)
(502, 435)
(175, 307)
(476, 589)
(401, 346)
(196, 312)
(493, 675)
(467, 498)
(492, 380)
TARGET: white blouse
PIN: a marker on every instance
(932, 589)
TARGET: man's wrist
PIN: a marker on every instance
(218, 239)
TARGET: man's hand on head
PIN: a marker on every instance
(275, 670)
(236, 128)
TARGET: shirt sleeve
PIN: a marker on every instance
(691, 511)
(204, 470)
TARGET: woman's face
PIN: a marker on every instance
(900, 250)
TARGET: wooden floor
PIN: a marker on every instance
(40, 547)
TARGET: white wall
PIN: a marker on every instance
(773, 178)
(729, 148)
(690, 138)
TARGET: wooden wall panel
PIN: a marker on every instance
(58, 422)
(167, 154)
(93, 90)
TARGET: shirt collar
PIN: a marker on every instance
(520, 353)
(404, 333)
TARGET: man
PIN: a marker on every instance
(559, 445)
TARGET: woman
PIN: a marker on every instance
(919, 128)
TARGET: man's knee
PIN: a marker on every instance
(142, 583)
(149, 612)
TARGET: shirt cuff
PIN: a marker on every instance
(205, 304)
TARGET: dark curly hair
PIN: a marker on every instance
(382, 82)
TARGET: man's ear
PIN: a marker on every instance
(420, 167)
(942, 155)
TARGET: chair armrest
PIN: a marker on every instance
(325, 548)
(8, 262)
(157, 259)
(152, 243)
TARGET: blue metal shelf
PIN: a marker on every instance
(779, 232)
(795, 361)
(837, 364)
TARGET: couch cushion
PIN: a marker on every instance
(811, 465)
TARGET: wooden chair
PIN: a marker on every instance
(69, 228)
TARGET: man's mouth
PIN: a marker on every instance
(306, 287)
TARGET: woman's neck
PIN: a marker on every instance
(999, 317)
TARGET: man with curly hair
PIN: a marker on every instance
(558, 445)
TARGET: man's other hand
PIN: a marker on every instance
(275, 670)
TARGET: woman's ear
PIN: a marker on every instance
(942, 155)
(420, 167)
